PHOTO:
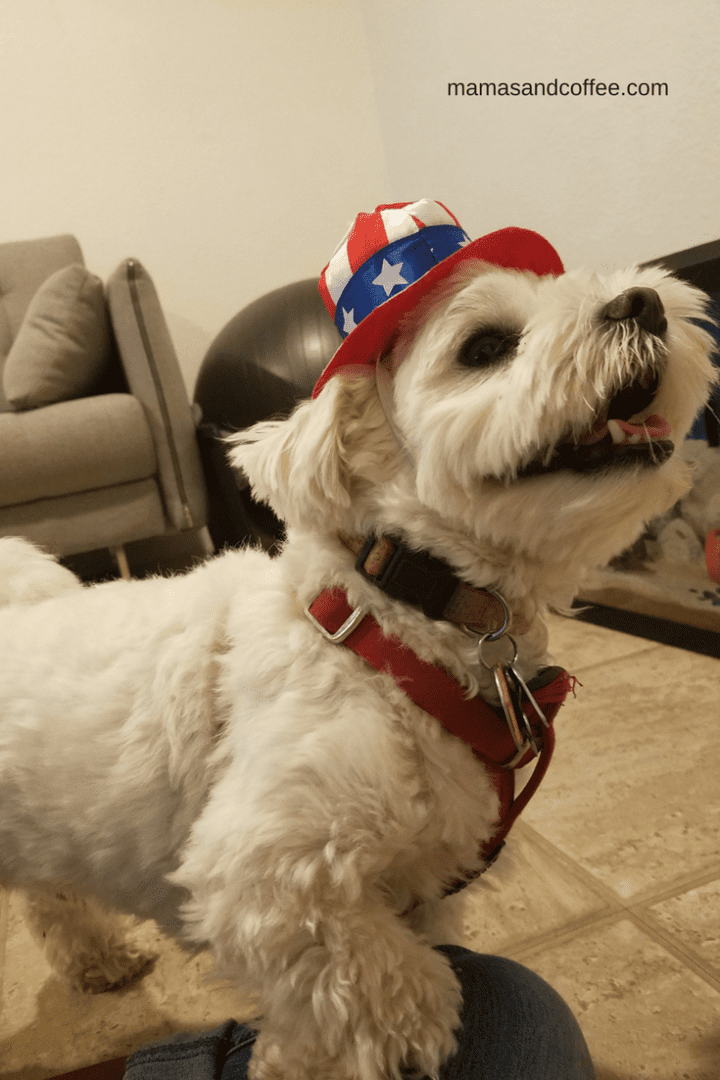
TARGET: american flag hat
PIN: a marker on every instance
(390, 259)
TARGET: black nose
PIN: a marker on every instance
(643, 306)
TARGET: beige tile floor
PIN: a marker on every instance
(610, 890)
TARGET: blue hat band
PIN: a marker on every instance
(391, 270)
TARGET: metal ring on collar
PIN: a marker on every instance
(497, 634)
(490, 639)
(491, 635)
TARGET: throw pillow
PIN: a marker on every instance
(63, 342)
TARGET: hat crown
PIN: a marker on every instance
(393, 248)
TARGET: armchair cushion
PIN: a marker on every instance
(63, 343)
(74, 446)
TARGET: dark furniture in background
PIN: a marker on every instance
(701, 266)
(266, 359)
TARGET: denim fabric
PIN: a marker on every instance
(514, 1027)
(185, 1057)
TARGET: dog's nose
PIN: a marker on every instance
(642, 305)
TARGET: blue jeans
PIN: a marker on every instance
(514, 1027)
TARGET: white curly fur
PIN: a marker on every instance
(192, 750)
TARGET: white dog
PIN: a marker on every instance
(200, 751)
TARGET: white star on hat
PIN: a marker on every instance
(348, 320)
(390, 276)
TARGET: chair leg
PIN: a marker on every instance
(206, 540)
(120, 557)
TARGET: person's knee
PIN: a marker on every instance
(513, 1022)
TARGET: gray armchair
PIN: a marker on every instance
(97, 439)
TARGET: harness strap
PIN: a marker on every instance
(471, 719)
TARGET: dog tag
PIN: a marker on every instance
(509, 705)
(511, 695)
(525, 689)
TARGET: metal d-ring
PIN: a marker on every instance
(491, 638)
(492, 635)
(495, 635)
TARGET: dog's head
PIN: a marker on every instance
(524, 418)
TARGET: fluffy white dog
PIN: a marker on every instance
(196, 750)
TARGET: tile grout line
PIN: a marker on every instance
(685, 954)
(566, 933)
(601, 890)
(612, 910)
(677, 888)
(637, 912)
(606, 892)
(571, 931)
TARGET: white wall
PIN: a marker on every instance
(608, 180)
(227, 143)
(222, 142)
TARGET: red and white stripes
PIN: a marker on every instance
(370, 233)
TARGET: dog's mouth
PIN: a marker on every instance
(619, 436)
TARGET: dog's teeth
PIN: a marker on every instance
(617, 433)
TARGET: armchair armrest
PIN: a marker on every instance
(153, 374)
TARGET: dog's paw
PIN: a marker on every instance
(273, 1061)
(375, 1026)
(421, 1018)
(113, 970)
(89, 946)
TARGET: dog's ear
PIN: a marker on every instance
(309, 466)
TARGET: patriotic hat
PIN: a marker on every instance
(391, 259)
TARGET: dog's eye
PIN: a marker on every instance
(487, 347)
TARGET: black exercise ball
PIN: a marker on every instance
(267, 358)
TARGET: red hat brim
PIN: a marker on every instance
(511, 248)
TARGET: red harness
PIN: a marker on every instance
(471, 719)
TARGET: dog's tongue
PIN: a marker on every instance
(623, 433)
